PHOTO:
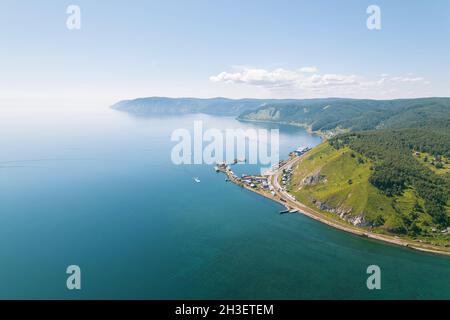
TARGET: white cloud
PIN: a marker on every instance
(329, 80)
(308, 82)
(309, 70)
(407, 79)
(284, 78)
(258, 77)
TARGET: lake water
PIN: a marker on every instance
(96, 188)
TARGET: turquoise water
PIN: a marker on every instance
(96, 188)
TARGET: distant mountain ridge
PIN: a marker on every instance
(355, 115)
(179, 106)
(320, 115)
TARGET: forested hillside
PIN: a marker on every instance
(339, 181)
(395, 170)
(390, 172)
(355, 115)
(179, 106)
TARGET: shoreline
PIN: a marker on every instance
(324, 135)
(290, 204)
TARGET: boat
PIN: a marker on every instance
(293, 211)
(216, 168)
(197, 180)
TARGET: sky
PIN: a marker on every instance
(229, 48)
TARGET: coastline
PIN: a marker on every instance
(324, 135)
(286, 200)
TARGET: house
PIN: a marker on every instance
(260, 179)
(301, 151)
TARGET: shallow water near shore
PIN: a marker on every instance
(96, 188)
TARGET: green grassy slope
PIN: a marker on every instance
(344, 191)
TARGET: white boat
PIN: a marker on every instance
(197, 180)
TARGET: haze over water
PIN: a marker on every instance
(96, 188)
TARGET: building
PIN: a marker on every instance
(301, 151)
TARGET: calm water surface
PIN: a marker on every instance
(96, 188)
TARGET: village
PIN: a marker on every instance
(262, 184)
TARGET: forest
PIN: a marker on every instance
(395, 169)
